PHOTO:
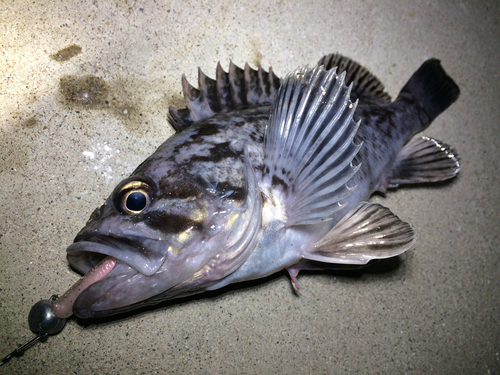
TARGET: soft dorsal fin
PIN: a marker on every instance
(238, 88)
(366, 87)
(309, 147)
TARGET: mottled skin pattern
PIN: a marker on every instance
(206, 161)
(384, 130)
(199, 179)
(212, 219)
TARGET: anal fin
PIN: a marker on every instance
(369, 231)
(423, 160)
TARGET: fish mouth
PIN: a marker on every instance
(123, 287)
(146, 270)
(144, 255)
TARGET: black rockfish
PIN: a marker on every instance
(263, 175)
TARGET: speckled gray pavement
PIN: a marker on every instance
(436, 311)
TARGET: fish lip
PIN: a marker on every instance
(145, 255)
(86, 252)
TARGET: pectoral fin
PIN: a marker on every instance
(369, 231)
(309, 148)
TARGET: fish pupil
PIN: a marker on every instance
(136, 201)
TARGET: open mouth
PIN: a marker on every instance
(144, 255)
(108, 264)
(141, 270)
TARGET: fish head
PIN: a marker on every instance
(162, 228)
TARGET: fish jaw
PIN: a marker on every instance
(125, 286)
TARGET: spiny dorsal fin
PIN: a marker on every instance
(238, 88)
(366, 87)
(309, 147)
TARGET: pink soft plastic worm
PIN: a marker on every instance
(63, 307)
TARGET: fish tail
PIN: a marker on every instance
(431, 88)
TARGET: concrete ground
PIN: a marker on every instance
(436, 310)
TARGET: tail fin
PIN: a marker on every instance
(433, 89)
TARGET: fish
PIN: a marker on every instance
(263, 174)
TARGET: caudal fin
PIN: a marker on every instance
(433, 89)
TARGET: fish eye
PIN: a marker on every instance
(136, 200)
(133, 197)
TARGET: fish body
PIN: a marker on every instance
(265, 175)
